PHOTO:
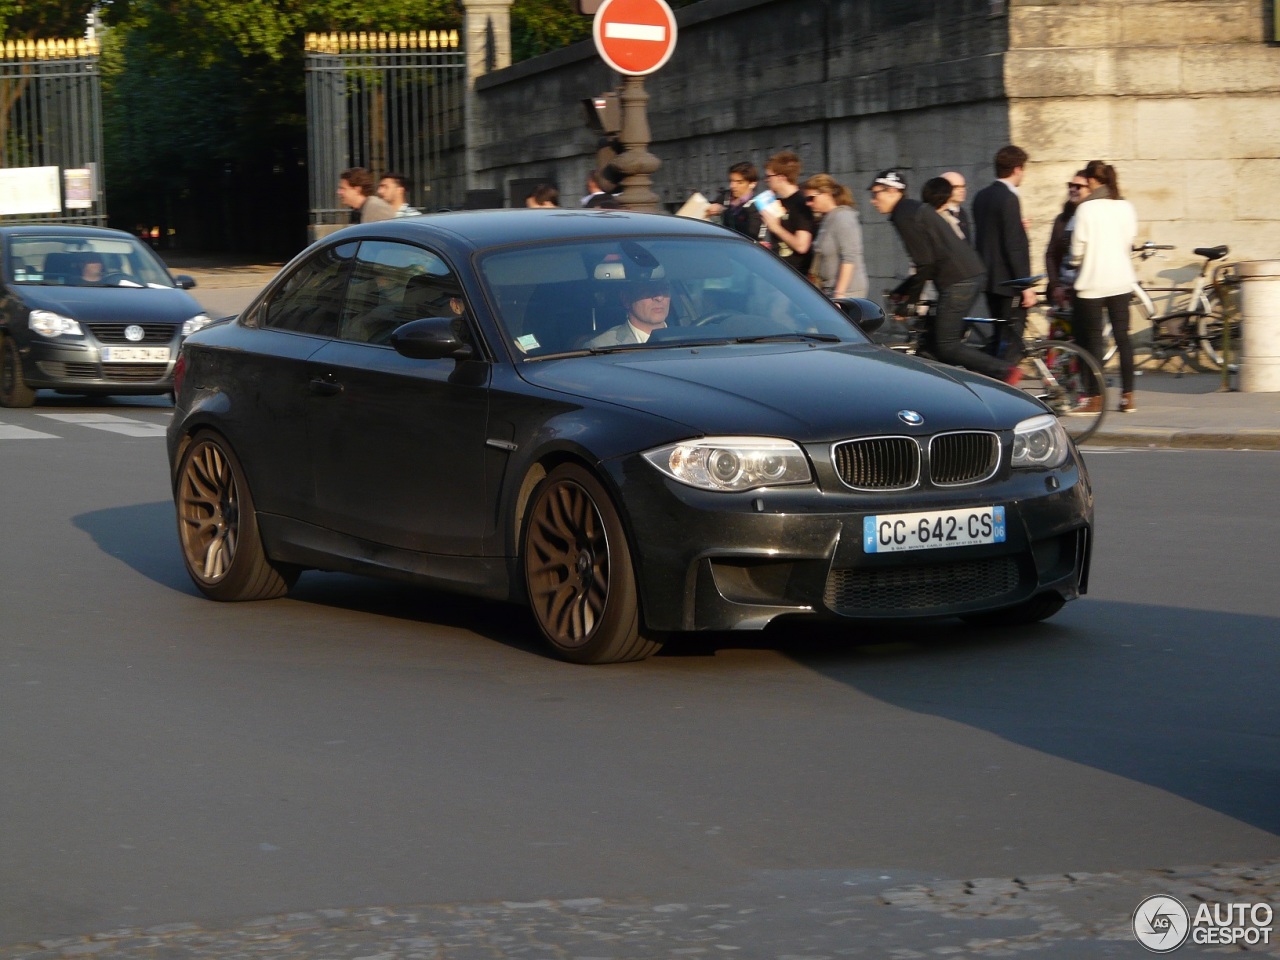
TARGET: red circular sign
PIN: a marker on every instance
(635, 37)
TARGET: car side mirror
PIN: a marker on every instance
(184, 281)
(431, 338)
(867, 315)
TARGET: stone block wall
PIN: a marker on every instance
(1180, 95)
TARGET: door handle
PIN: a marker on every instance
(325, 387)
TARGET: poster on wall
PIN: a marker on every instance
(77, 185)
(25, 190)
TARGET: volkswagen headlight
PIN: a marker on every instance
(732, 463)
(195, 323)
(1040, 443)
(50, 324)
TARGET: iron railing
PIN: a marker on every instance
(386, 102)
(51, 116)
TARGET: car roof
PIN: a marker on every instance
(62, 230)
(481, 229)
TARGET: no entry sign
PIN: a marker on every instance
(635, 37)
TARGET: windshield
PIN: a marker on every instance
(72, 261)
(593, 296)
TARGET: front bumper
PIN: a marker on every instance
(715, 561)
(77, 366)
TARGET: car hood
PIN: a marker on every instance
(806, 393)
(114, 304)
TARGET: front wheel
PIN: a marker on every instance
(579, 572)
(218, 527)
(14, 391)
(1068, 380)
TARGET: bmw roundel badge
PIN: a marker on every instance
(910, 417)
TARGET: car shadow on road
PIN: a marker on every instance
(1180, 699)
(143, 537)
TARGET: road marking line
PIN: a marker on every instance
(110, 423)
(634, 31)
(10, 432)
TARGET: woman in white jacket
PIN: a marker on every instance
(1101, 247)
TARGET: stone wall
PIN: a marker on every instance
(1178, 94)
(1181, 95)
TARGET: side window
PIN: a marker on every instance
(393, 283)
(310, 300)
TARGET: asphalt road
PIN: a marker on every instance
(361, 748)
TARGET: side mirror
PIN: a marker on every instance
(867, 315)
(431, 338)
(184, 281)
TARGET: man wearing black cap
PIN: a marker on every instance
(941, 256)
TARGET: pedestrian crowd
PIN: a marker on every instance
(970, 256)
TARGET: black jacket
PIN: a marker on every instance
(1000, 237)
(939, 255)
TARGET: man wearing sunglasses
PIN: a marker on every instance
(647, 303)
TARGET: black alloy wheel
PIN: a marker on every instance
(579, 572)
(218, 528)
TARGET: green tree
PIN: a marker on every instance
(34, 20)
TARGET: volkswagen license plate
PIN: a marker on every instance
(135, 354)
(892, 532)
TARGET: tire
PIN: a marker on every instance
(218, 527)
(14, 391)
(1211, 330)
(579, 572)
(1038, 608)
(1061, 374)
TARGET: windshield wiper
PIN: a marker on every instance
(782, 337)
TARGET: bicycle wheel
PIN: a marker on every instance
(1212, 333)
(1068, 380)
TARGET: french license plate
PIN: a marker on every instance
(893, 532)
(135, 354)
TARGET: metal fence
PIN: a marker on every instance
(51, 116)
(386, 102)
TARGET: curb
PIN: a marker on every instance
(1188, 439)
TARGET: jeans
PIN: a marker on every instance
(1013, 315)
(1088, 326)
(949, 330)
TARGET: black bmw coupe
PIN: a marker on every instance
(636, 425)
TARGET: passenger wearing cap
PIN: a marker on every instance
(940, 255)
(647, 302)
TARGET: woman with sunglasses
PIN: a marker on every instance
(1101, 243)
(1061, 273)
(838, 268)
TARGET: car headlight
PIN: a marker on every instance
(1040, 443)
(50, 324)
(195, 323)
(732, 463)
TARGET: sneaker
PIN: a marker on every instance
(1127, 404)
(1014, 376)
(1089, 405)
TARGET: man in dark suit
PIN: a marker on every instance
(1001, 239)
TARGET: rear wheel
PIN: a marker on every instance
(218, 527)
(14, 391)
(1218, 338)
(579, 572)
(1067, 379)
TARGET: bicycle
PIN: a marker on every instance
(1061, 375)
(1195, 323)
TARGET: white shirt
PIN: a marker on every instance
(1101, 244)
